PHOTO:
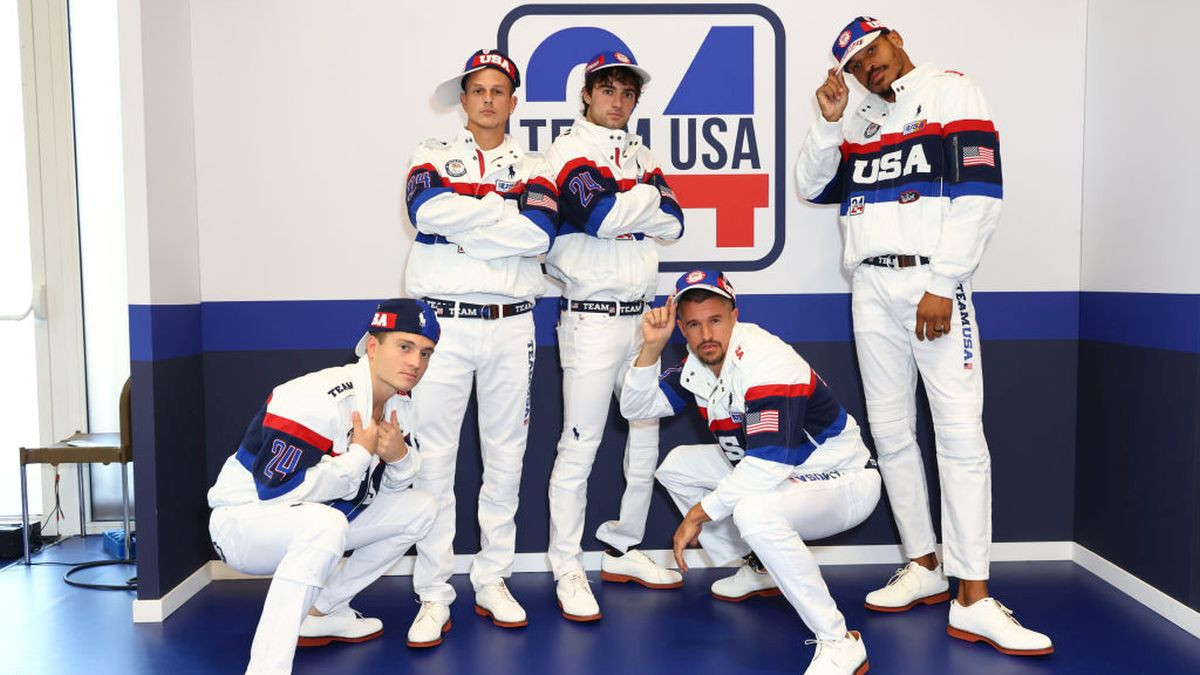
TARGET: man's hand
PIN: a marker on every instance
(657, 326)
(933, 316)
(391, 446)
(833, 95)
(368, 438)
(688, 532)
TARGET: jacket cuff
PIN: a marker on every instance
(942, 286)
(714, 507)
(827, 134)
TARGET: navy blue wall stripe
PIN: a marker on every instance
(1155, 320)
(168, 331)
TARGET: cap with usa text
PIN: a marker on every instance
(401, 315)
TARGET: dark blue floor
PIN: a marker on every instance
(49, 627)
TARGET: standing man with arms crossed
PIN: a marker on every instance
(801, 466)
(615, 202)
(325, 467)
(916, 169)
(483, 213)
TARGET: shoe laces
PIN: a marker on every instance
(1007, 612)
(577, 582)
(500, 585)
(642, 557)
(426, 607)
(898, 575)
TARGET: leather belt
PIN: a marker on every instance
(602, 306)
(896, 261)
(448, 309)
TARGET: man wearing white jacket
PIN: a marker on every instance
(484, 211)
(916, 170)
(327, 466)
(615, 204)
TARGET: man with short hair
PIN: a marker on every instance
(789, 464)
(615, 203)
(483, 212)
(326, 466)
(916, 169)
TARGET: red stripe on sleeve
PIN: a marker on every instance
(299, 431)
(960, 126)
(578, 162)
(726, 424)
(784, 390)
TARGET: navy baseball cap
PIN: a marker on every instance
(401, 315)
(709, 280)
(857, 34)
(614, 59)
(448, 91)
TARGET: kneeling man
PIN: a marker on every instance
(789, 463)
(327, 466)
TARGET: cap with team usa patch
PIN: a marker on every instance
(857, 34)
(401, 315)
(447, 92)
(709, 280)
(614, 59)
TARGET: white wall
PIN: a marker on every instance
(305, 114)
(1140, 163)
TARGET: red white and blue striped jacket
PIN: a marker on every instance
(769, 411)
(920, 176)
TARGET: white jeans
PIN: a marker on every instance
(890, 358)
(596, 350)
(301, 544)
(497, 357)
(775, 524)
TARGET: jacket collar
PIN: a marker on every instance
(874, 107)
(602, 136)
(498, 157)
(698, 379)
(364, 393)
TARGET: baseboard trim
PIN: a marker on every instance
(153, 611)
(156, 611)
(1155, 600)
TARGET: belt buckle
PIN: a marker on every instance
(491, 312)
(614, 309)
(893, 262)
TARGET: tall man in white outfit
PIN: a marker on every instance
(916, 169)
(483, 214)
(615, 203)
(789, 463)
(326, 466)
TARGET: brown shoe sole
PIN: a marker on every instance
(766, 593)
(324, 640)
(578, 617)
(625, 578)
(972, 637)
(927, 600)
(503, 624)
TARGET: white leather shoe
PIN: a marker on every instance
(431, 622)
(575, 598)
(911, 585)
(745, 583)
(993, 623)
(637, 567)
(847, 656)
(344, 625)
(496, 602)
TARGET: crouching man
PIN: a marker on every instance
(327, 466)
(789, 464)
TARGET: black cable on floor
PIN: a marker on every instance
(129, 585)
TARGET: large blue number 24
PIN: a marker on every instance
(283, 461)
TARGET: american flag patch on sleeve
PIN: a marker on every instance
(762, 422)
(977, 155)
(541, 201)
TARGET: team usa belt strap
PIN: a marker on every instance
(896, 261)
(448, 309)
(602, 306)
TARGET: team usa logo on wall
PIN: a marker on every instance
(713, 113)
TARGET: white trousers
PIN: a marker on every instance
(301, 544)
(596, 350)
(497, 358)
(890, 358)
(775, 524)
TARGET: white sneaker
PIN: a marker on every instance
(992, 622)
(496, 602)
(847, 656)
(344, 625)
(575, 598)
(433, 619)
(746, 582)
(909, 586)
(637, 567)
